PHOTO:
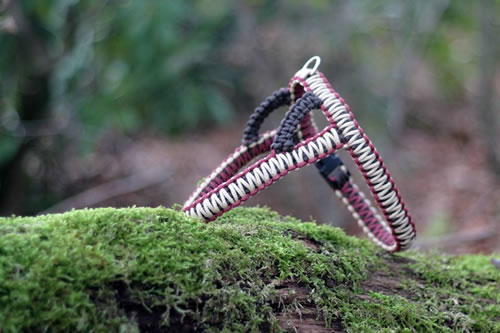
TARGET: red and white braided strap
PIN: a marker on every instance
(241, 186)
(253, 144)
(227, 187)
(231, 166)
(397, 219)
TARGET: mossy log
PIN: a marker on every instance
(155, 270)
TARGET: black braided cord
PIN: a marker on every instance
(278, 98)
(286, 137)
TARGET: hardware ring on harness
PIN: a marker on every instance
(227, 186)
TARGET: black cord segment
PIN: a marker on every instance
(286, 137)
(278, 98)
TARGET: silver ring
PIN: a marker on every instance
(317, 61)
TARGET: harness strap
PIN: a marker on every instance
(297, 143)
(286, 137)
(277, 99)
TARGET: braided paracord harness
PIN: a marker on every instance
(297, 143)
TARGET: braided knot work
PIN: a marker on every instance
(387, 223)
(278, 98)
(287, 138)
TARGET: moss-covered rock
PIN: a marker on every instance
(145, 269)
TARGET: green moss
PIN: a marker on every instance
(143, 268)
(472, 273)
(441, 294)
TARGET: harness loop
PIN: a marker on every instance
(309, 68)
(298, 143)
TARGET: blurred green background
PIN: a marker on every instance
(115, 103)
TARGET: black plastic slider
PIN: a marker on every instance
(330, 168)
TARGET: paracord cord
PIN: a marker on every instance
(286, 138)
(253, 144)
(278, 98)
(219, 194)
(267, 170)
(395, 232)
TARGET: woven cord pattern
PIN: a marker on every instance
(230, 166)
(368, 160)
(262, 174)
(366, 216)
(278, 98)
(228, 187)
(286, 137)
(253, 144)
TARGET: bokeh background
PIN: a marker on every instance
(132, 102)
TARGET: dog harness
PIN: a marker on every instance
(297, 143)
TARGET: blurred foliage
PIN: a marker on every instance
(160, 63)
(154, 60)
(126, 63)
